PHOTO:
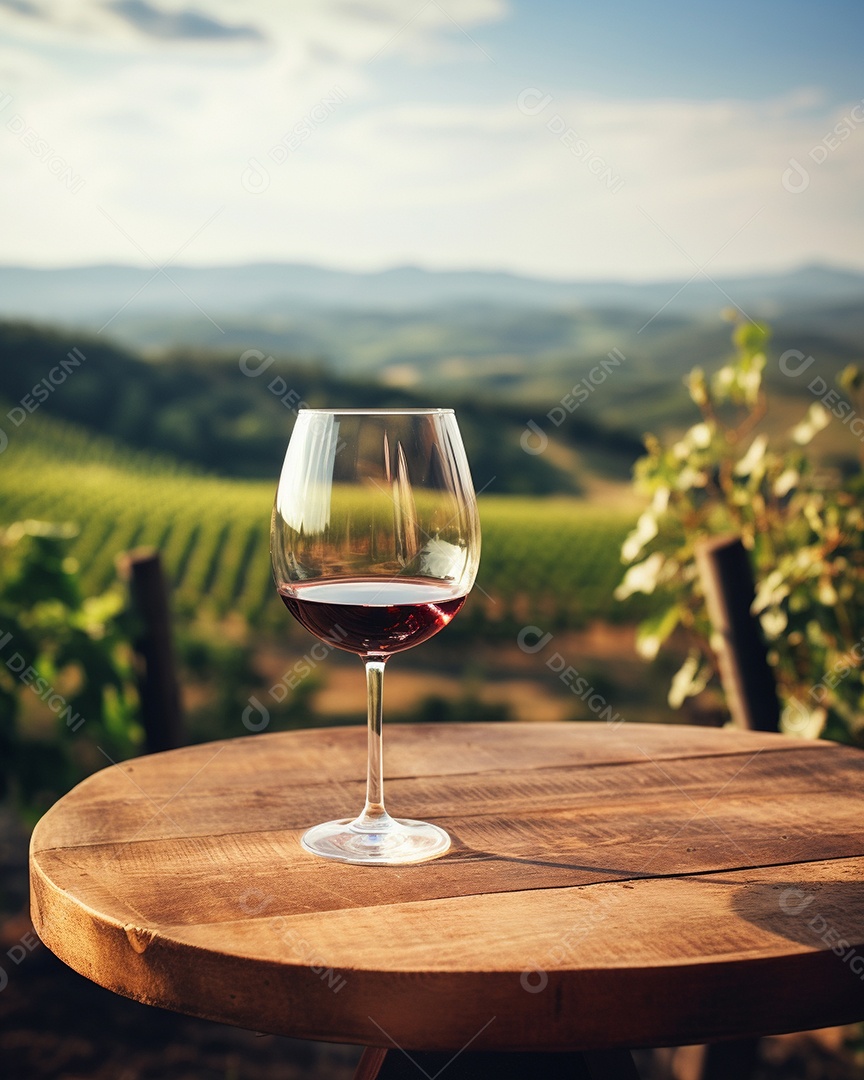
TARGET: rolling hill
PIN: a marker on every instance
(234, 418)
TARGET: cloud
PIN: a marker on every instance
(22, 7)
(350, 31)
(357, 167)
(186, 25)
(585, 187)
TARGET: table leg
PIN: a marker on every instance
(738, 1058)
(610, 1065)
(370, 1063)
(378, 1064)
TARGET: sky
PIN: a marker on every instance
(630, 140)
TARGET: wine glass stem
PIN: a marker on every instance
(374, 816)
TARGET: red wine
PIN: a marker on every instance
(372, 615)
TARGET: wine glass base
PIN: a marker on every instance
(398, 842)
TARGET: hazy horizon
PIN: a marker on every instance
(754, 272)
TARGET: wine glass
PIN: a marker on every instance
(375, 543)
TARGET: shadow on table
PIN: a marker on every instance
(592, 874)
(810, 913)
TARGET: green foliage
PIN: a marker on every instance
(801, 522)
(548, 561)
(66, 700)
(217, 661)
(205, 410)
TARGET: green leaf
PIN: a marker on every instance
(655, 630)
(689, 680)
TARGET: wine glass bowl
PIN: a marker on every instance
(375, 544)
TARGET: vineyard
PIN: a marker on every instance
(555, 560)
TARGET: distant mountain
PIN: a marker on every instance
(89, 296)
(523, 343)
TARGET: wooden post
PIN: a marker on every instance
(751, 693)
(727, 580)
(158, 686)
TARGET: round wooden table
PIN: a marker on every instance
(641, 885)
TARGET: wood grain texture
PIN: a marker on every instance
(607, 887)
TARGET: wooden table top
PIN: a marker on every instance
(632, 886)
